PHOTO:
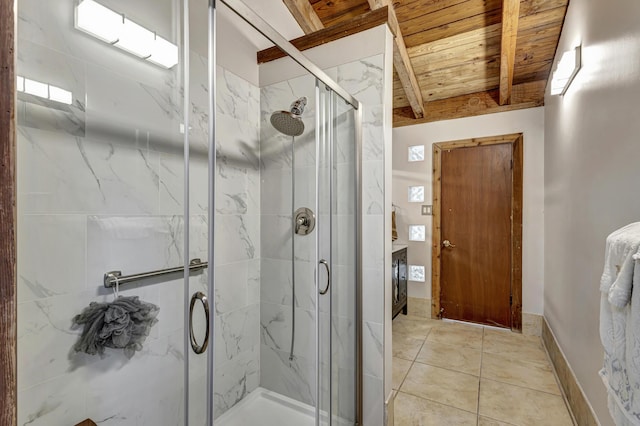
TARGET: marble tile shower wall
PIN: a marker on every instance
(296, 378)
(280, 158)
(101, 188)
(364, 79)
(237, 241)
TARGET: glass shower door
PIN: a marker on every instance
(103, 195)
(336, 259)
(196, 293)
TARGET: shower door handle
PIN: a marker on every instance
(198, 295)
(326, 266)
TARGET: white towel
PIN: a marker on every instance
(620, 324)
(623, 246)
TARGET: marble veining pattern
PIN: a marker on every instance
(63, 71)
(102, 188)
(237, 332)
(365, 80)
(295, 377)
(237, 378)
(64, 174)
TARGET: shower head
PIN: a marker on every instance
(289, 122)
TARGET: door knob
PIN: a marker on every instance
(447, 244)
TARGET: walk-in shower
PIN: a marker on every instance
(162, 162)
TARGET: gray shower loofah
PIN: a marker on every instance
(121, 324)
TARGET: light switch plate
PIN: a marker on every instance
(427, 210)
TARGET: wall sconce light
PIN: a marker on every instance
(117, 30)
(565, 71)
(44, 90)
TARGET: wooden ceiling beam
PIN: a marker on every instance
(526, 95)
(333, 12)
(401, 60)
(460, 18)
(477, 37)
(510, 17)
(343, 29)
(305, 15)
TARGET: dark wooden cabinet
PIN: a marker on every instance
(399, 281)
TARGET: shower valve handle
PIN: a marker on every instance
(303, 221)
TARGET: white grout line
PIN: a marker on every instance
(480, 378)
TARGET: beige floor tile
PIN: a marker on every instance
(406, 347)
(445, 386)
(457, 335)
(513, 345)
(465, 360)
(486, 421)
(400, 369)
(533, 375)
(419, 307)
(508, 336)
(414, 327)
(521, 406)
(413, 411)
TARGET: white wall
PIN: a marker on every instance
(530, 122)
(591, 176)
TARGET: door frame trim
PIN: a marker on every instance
(516, 140)
(8, 222)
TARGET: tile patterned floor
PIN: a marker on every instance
(455, 374)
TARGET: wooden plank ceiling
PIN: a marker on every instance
(469, 57)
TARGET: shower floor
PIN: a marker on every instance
(266, 408)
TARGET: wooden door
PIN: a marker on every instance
(476, 238)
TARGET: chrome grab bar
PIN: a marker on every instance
(198, 295)
(111, 277)
(326, 265)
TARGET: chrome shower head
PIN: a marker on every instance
(289, 122)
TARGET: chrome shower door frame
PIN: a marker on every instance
(255, 21)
